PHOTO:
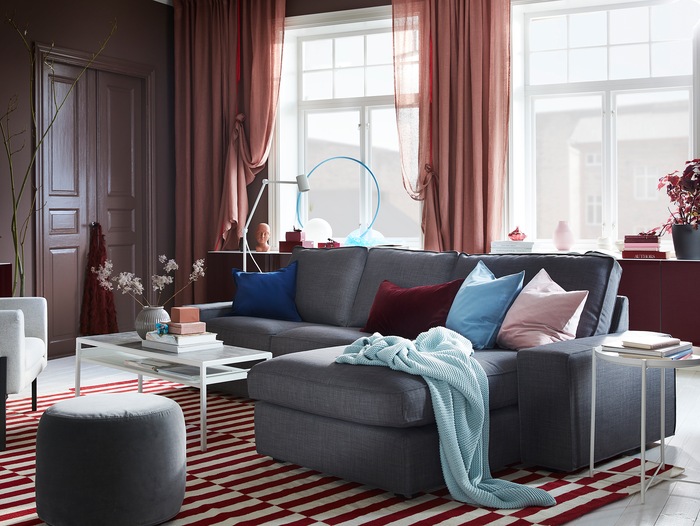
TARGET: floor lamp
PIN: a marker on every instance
(302, 184)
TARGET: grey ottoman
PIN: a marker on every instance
(110, 459)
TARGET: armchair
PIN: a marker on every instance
(23, 348)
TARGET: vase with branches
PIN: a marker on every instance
(14, 141)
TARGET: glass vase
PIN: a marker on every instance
(148, 317)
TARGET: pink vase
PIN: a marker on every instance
(563, 236)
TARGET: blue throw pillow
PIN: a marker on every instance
(267, 294)
(481, 303)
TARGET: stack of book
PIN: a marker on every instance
(185, 333)
(643, 246)
(511, 247)
(649, 345)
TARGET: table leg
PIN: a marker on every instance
(593, 404)
(663, 418)
(203, 408)
(78, 347)
(643, 431)
(140, 382)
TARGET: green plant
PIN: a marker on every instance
(21, 180)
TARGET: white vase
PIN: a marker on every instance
(563, 236)
(148, 317)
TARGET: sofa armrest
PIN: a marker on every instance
(620, 321)
(554, 397)
(209, 311)
(36, 323)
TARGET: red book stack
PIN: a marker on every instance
(643, 246)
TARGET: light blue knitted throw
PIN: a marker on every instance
(460, 395)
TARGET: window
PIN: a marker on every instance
(337, 99)
(602, 95)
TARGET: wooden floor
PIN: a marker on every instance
(667, 504)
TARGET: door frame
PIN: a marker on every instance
(144, 72)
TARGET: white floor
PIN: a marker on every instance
(669, 503)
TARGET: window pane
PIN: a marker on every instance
(548, 33)
(318, 85)
(629, 25)
(548, 67)
(380, 80)
(318, 54)
(568, 146)
(674, 21)
(335, 186)
(671, 58)
(399, 215)
(379, 49)
(653, 130)
(349, 51)
(588, 64)
(628, 62)
(349, 82)
(588, 29)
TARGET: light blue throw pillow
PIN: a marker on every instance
(267, 294)
(481, 304)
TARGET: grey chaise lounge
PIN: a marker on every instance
(376, 426)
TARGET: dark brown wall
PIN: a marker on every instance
(144, 36)
(308, 7)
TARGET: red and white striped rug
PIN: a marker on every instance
(231, 484)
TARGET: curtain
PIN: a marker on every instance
(452, 80)
(228, 59)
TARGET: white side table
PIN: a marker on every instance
(643, 364)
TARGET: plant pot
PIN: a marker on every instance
(148, 317)
(686, 241)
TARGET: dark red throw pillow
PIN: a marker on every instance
(397, 311)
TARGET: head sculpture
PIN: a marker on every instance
(262, 238)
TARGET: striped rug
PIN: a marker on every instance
(231, 484)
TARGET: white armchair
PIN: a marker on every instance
(23, 347)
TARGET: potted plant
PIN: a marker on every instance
(683, 189)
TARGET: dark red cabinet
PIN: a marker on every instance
(662, 294)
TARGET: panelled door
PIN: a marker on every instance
(94, 166)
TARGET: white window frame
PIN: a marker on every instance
(521, 205)
(286, 162)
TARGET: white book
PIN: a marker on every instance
(181, 339)
(171, 347)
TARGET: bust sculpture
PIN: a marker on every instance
(262, 238)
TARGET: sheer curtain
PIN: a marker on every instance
(452, 80)
(228, 58)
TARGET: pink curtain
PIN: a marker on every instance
(452, 80)
(228, 60)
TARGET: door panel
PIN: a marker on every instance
(120, 174)
(66, 206)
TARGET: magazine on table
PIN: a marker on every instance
(646, 343)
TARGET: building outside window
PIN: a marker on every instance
(337, 99)
(600, 91)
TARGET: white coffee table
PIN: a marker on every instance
(644, 365)
(210, 366)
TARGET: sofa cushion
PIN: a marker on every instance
(542, 313)
(407, 312)
(250, 332)
(327, 281)
(481, 304)
(597, 273)
(266, 294)
(405, 268)
(311, 381)
(312, 336)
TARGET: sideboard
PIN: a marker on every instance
(5, 280)
(662, 295)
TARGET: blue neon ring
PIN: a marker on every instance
(374, 178)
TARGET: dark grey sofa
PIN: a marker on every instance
(376, 426)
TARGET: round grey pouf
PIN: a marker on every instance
(110, 459)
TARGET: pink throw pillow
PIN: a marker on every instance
(397, 311)
(542, 313)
